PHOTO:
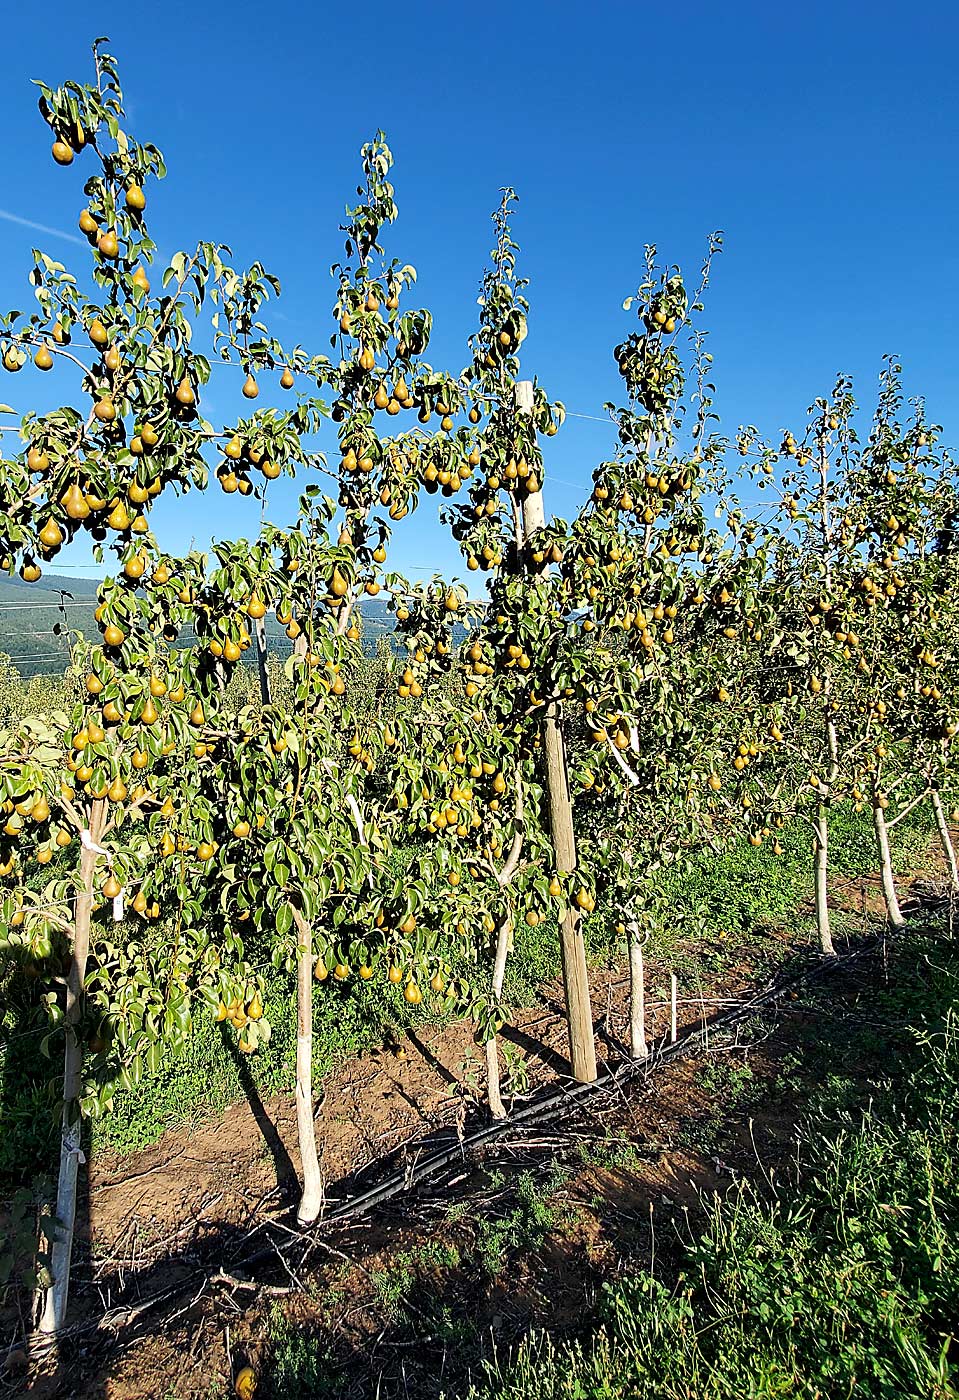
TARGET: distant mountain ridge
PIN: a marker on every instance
(36, 620)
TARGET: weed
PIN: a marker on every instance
(844, 1281)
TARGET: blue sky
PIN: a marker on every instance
(820, 137)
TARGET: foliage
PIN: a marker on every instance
(844, 1282)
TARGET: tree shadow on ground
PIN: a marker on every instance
(286, 1178)
(415, 1299)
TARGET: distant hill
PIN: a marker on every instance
(36, 620)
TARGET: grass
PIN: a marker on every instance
(842, 1280)
(209, 1075)
(743, 891)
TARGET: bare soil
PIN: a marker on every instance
(397, 1296)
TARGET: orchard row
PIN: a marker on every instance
(670, 670)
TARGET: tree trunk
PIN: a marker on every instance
(259, 640)
(311, 1201)
(896, 922)
(503, 944)
(637, 995)
(942, 826)
(821, 867)
(55, 1302)
(582, 1045)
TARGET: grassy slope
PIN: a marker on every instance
(843, 1281)
(743, 893)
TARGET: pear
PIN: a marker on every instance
(75, 504)
(51, 536)
(43, 359)
(135, 198)
(250, 388)
(118, 519)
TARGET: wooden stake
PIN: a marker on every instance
(673, 985)
(579, 1012)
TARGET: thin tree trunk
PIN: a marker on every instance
(942, 826)
(821, 868)
(311, 1201)
(637, 994)
(896, 922)
(55, 1302)
(503, 943)
(259, 641)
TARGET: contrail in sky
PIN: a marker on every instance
(42, 228)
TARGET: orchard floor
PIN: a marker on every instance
(412, 1297)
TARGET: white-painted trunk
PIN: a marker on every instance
(54, 1312)
(311, 1201)
(948, 850)
(896, 922)
(821, 872)
(504, 943)
(637, 995)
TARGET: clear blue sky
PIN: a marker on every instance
(821, 137)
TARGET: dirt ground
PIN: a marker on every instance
(206, 1212)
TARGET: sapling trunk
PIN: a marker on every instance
(637, 994)
(821, 871)
(503, 945)
(896, 922)
(311, 1201)
(55, 1302)
(948, 850)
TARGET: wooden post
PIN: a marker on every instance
(55, 1302)
(259, 641)
(579, 1012)
(673, 987)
